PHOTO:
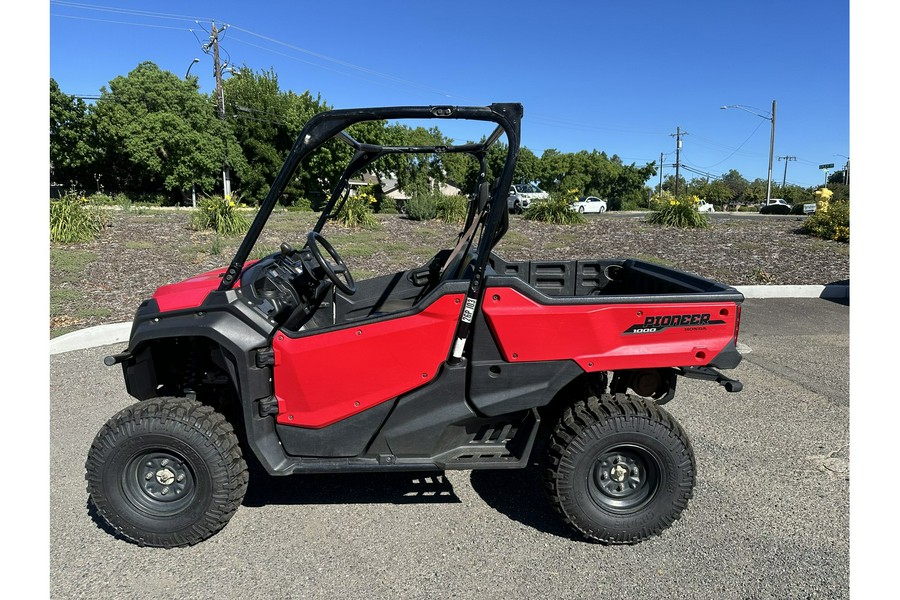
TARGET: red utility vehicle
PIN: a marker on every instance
(466, 362)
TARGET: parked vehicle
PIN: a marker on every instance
(589, 204)
(775, 206)
(468, 361)
(521, 195)
(705, 207)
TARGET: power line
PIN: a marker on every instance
(118, 22)
(126, 11)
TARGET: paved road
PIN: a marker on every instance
(769, 518)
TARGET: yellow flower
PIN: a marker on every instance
(673, 202)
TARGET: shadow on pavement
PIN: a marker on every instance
(518, 494)
(350, 488)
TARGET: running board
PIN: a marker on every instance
(494, 446)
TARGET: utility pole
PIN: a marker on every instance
(771, 154)
(677, 135)
(661, 156)
(220, 97)
(846, 169)
(786, 160)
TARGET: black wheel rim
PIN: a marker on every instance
(624, 478)
(159, 482)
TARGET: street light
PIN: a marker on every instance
(768, 117)
(193, 186)
(188, 72)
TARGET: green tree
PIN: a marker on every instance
(669, 184)
(735, 182)
(755, 193)
(627, 189)
(72, 148)
(257, 111)
(157, 132)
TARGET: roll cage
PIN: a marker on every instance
(487, 209)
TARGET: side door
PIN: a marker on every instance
(325, 377)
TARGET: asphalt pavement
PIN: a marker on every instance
(769, 517)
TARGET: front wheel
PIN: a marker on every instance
(618, 469)
(166, 472)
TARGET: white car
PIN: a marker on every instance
(705, 207)
(589, 204)
(521, 195)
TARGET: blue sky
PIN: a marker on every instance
(617, 77)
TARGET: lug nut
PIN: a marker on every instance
(165, 491)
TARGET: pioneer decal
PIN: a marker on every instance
(695, 322)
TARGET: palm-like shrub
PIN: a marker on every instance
(451, 209)
(73, 220)
(222, 215)
(677, 212)
(556, 209)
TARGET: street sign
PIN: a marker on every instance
(828, 166)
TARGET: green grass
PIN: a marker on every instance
(68, 265)
(262, 251)
(60, 298)
(138, 245)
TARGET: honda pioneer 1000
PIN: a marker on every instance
(468, 361)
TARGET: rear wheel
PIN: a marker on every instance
(618, 469)
(166, 472)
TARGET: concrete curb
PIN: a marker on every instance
(91, 337)
(117, 333)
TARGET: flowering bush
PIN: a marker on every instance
(221, 215)
(677, 212)
(831, 221)
(356, 211)
(73, 220)
(556, 209)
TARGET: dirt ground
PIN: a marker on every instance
(105, 280)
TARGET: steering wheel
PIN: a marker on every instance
(338, 273)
